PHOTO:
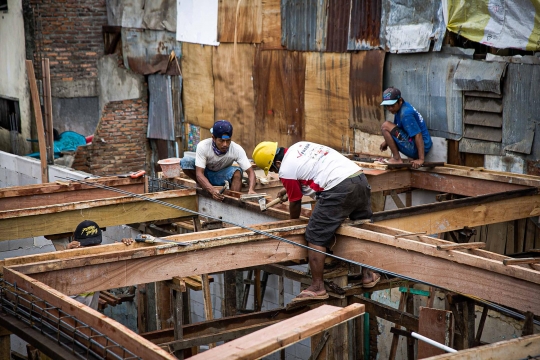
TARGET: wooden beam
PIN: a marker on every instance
(39, 120)
(47, 106)
(381, 180)
(400, 318)
(464, 246)
(115, 331)
(283, 334)
(520, 348)
(63, 218)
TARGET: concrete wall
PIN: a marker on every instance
(13, 81)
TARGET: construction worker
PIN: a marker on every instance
(86, 234)
(408, 133)
(342, 191)
(213, 164)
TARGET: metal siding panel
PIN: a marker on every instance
(160, 108)
(147, 51)
(338, 25)
(365, 25)
(483, 133)
(248, 24)
(125, 13)
(483, 119)
(279, 80)
(426, 81)
(473, 75)
(160, 15)
(299, 25)
(365, 86)
(520, 108)
(483, 104)
(480, 147)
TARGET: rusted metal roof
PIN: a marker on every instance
(475, 75)
(365, 87)
(426, 82)
(148, 51)
(303, 25)
(338, 26)
(365, 25)
(412, 25)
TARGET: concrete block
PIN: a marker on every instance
(439, 150)
(21, 243)
(76, 88)
(116, 84)
(41, 241)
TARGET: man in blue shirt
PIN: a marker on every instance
(408, 133)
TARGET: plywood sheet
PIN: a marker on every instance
(438, 325)
(279, 80)
(241, 17)
(365, 91)
(198, 85)
(234, 95)
(327, 99)
(271, 24)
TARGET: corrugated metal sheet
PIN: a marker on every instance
(339, 12)
(520, 110)
(303, 26)
(365, 91)
(365, 25)
(412, 25)
(279, 80)
(426, 81)
(246, 23)
(147, 51)
(161, 120)
(154, 15)
(473, 75)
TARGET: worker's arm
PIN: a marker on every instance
(205, 184)
(294, 209)
(419, 141)
(252, 180)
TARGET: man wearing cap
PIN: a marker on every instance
(408, 133)
(213, 164)
(340, 187)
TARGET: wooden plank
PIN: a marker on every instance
(89, 316)
(240, 21)
(271, 24)
(496, 239)
(493, 120)
(388, 313)
(198, 85)
(47, 100)
(530, 233)
(327, 99)
(64, 218)
(437, 325)
(520, 242)
(483, 104)
(388, 180)
(520, 348)
(278, 82)
(483, 133)
(39, 120)
(473, 245)
(234, 98)
(283, 334)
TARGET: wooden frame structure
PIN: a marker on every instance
(392, 244)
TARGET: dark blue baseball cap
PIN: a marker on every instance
(391, 96)
(222, 129)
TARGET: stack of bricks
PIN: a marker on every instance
(69, 33)
(120, 144)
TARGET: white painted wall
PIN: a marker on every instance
(13, 80)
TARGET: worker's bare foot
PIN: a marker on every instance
(394, 161)
(370, 278)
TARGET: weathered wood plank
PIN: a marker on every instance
(437, 325)
(198, 85)
(483, 119)
(401, 318)
(327, 99)
(234, 98)
(285, 333)
(483, 133)
(240, 21)
(271, 24)
(483, 104)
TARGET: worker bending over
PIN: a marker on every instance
(339, 185)
(408, 133)
(213, 164)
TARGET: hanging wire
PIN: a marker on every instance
(261, 232)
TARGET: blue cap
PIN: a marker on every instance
(222, 129)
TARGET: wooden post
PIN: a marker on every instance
(5, 344)
(39, 121)
(410, 341)
(229, 291)
(142, 309)
(437, 325)
(207, 301)
(163, 305)
(178, 315)
(47, 106)
(395, 337)
(257, 295)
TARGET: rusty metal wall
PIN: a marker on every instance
(365, 25)
(338, 25)
(161, 123)
(300, 28)
(426, 82)
(147, 51)
(365, 87)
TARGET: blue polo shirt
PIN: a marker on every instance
(410, 120)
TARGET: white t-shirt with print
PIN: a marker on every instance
(207, 158)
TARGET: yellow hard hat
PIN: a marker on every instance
(264, 154)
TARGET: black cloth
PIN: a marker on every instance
(351, 198)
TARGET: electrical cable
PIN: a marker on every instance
(261, 232)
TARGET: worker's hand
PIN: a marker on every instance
(217, 196)
(128, 241)
(74, 245)
(417, 163)
(281, 193)
(383, 146)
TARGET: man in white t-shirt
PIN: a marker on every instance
(213, 164)
(340, 187)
